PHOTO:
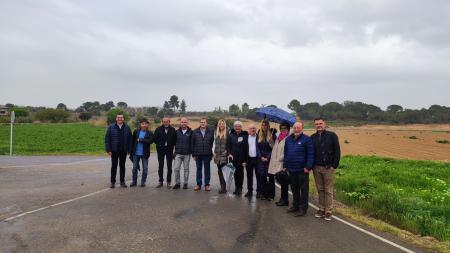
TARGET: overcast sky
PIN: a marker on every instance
(217, 52)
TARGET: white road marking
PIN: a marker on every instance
(53, 164)
(362, 229)
(53, 205)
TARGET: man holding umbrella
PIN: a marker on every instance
(237, 148)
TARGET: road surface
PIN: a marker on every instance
(63, 204)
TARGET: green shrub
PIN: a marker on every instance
(52, 115)
(85, 116)
(443, 141)
(20, 111)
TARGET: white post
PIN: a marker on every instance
(11, 139)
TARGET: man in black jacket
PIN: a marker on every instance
(237, 148)
(140, 151)
(202, 143)
(327, 154)
(165, 137)
(118, 145)
(183, 151)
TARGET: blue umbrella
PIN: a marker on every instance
(276, 115)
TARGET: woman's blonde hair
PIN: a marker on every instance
(222, 134)
(264, 135)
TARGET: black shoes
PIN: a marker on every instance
(238, 192)
(133, 184)
(185, 186)
(123, 185)
(258, 195)
(222, 191)
(300, 213)
(292, 210)
(112, 186)
(160, 184)
(143, 185)
(282, 203)
(176, 186)
(249, 194)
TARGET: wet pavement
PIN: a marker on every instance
(149, 219)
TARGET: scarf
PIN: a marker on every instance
(282, 135)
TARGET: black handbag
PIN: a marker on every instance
(282, 176)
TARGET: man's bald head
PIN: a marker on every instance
(298, 127)
(184, 122)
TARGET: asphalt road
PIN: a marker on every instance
(98, 219)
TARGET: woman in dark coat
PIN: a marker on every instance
(266, 139)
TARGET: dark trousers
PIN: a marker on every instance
(118, 158)
(261, 184)
(250, 169)
(284, 183)
(168, 154)
(223, 184)
(203, 161)
(270, 187)
(300, 189)
(238, 175)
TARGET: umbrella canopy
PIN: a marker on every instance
(276, 115)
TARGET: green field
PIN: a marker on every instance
(48, 139)
(413, 195)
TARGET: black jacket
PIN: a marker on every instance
(118, 140)
(237, 146)
(161, 138)
(183, 144)
(147, 140)
(327, 151)
(202, 145)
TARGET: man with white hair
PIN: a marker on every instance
(237, 148)
(298, 161)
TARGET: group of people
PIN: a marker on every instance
(285, 156)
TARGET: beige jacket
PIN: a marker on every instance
(276, 160)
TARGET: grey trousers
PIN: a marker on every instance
(181, 159)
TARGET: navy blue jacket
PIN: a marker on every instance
(117, 140)
(202, 145)
(298, 153)
(183, 143)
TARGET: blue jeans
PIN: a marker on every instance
(136, 159)
(200, 161)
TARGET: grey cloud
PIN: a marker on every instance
(239, 51)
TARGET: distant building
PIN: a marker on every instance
(4, 111)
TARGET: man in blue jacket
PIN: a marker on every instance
(298, 162)
(118, 145)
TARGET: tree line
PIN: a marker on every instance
(348, 111)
